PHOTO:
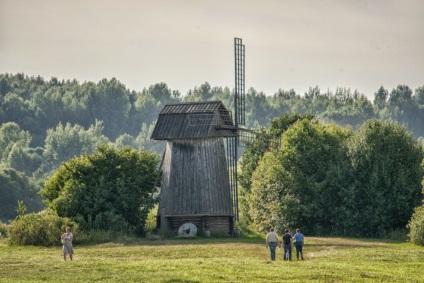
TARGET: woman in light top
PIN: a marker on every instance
(67, 243)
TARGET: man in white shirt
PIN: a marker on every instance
(272, 242)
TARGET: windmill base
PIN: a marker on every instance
(215, 224)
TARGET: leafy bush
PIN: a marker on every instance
(386, 179)
(108, 190)
(105, 221)
(416, 224)
(4, 230)
(14, 187)
(400, 234)
(41, 229)
(150, 225)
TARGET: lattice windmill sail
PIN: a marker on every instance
(242, 135)
(239, 94)
(199, 183)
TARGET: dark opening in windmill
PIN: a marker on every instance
(199, 183)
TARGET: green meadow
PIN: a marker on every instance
(215, 260)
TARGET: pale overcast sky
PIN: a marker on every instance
(356, 44)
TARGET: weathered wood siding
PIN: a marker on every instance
(195, 178)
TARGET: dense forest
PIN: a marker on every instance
(46, 122)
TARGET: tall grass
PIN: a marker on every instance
(216, 260)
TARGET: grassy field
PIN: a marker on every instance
(216, 260)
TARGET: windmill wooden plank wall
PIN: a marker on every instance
(195, 185)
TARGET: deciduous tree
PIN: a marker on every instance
(387, 173)
(111, 189)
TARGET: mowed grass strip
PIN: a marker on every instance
(216, 260)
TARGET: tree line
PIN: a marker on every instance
(38, 105)
(37, 115)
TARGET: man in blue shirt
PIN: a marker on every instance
(299, 240)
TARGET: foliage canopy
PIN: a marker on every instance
(14, 187)
(111, 189)
(330, 180)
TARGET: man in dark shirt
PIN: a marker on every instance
(287, 242)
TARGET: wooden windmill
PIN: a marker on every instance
(199, 183)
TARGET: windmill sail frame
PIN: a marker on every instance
(239, 92)
(239, 119)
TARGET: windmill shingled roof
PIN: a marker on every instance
(193, 120)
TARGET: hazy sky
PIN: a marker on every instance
(289, 44)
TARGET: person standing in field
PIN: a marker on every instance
(287, 242)
(299, 241)
(272, 242)
(67, 239)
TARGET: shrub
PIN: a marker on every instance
(109, 190)
(4, 230)
(416, 224)
(41, 229)
(105, 221)
(400, 234)
(150, 225)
